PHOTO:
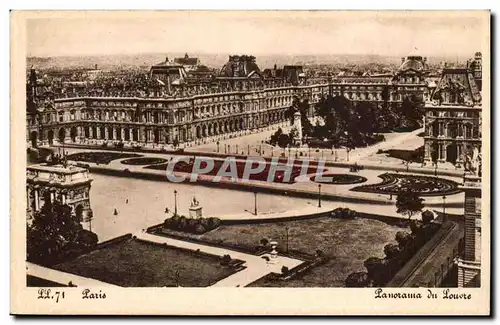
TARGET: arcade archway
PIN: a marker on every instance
(73, 134)
(451, 153)
(61, 135)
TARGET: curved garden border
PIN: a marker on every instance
(100, 157)
(396, 183)
(341, 179)
(142, 161)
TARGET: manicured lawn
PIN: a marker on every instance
(132, 263)
(347, 243)
(416, 155)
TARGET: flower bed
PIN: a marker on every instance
(100, 157)
(341, 179)
(143, 161)
(185, 167)
(423, 185)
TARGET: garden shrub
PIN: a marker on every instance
(225, 260)
(194, 226)
(200, 229)
(391, 251)
(380, 271)
(403, 238)
(427, 217)
(344, 213)
(357, 280)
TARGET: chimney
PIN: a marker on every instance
(95, 67)
(166, 59)
(275, 66)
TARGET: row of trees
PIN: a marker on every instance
(354, 124)
(282, 139)
(379, 271)
(55, 235)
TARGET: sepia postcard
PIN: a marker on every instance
(250, 162)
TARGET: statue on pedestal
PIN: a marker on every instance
(473, 162)
(195, 210)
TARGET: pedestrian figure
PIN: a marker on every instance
(116, 212)
(126, 201)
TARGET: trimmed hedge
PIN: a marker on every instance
(344, 213)
(194, 226)
(381, 270)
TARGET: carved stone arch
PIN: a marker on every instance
(198, 131)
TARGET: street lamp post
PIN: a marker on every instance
(444, 202)
(319, 195)
(286, 231)
(175, 202)
(255, 202)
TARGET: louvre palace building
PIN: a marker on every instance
(453, 118)
(181, 101)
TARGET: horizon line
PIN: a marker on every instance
(245, 53)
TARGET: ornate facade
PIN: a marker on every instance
(453, 119)
(239, 98)
(68, 184)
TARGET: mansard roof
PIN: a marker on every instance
(240, 66)
(186, 60)
(414, 63)
(458, 85)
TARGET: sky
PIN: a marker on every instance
(292, 32)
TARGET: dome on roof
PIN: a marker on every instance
(416, 63)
